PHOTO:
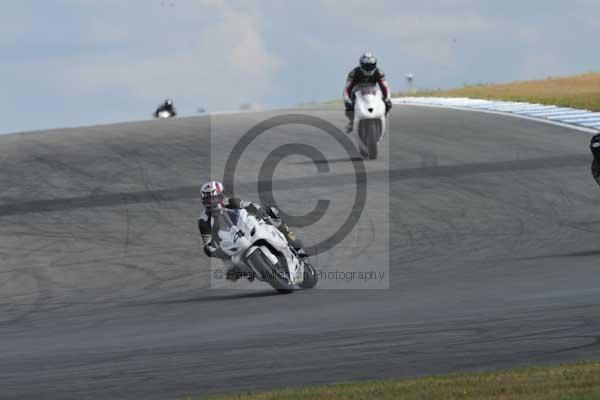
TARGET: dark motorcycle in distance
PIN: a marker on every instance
(595, 148)
(165, 110)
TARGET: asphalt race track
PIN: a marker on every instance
(494, 254)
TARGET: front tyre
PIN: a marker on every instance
(310, 277)
(372, 138)
(274, 275)
(369, 134)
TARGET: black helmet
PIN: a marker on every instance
(169, 102)
(368, 63)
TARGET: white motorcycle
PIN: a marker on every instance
(369, 119)
(261, 251)
(164, 113)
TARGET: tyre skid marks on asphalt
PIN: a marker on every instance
(524, 212)
(155, 209)
(361, 239)
(188, 192)
(42, 292)
(442, 231)
(62, 261)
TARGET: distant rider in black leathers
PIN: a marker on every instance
(166, 106)
(366, 73)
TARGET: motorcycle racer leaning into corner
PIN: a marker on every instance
(214, 201)
(366, 73)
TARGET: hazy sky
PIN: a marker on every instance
(81, 62)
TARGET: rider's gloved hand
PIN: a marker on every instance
(349, 105)
(212, 250)
(388, 105)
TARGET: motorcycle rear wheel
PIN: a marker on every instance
(310, 277)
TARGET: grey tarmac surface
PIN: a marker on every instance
(494, 249)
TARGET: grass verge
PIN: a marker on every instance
(580, 91)
(579, 381)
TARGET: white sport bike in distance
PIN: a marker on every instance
(369, 119)
(261, 251)
(163, 114)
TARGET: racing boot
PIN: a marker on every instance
(277, 222)
(293, 240)
(349, 125)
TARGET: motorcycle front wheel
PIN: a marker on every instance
(271, 274)
(369, 133)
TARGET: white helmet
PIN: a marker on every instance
(213, 197)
